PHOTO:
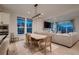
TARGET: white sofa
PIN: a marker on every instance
(4, 46)
(66, 39)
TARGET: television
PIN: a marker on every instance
(47, 24)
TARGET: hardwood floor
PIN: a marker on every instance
(19, 48)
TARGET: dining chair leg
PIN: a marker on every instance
(39, 45)
(45, 47)
(50, 48)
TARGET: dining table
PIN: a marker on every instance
(39, 37)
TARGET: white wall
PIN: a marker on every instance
(37, 24)
(13, 25)
(76, 23)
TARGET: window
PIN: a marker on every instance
(65, 26)
(20, 25)
(29, 25)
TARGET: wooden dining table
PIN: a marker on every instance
(38, 37)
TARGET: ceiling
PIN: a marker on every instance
(48, 10)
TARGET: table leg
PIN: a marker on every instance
(50, 46)
(45, 47)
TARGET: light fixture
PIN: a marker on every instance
(36, 13)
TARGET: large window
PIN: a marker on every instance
(65, 26)
(29, 25)
(20, 25)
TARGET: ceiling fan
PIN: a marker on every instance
(36, 14)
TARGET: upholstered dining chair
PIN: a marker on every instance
(13, 38)
(43, 44)
(27, 39)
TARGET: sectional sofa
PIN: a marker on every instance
(67, 39)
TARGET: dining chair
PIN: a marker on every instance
(43, 44)
(29, 40)
(13, 38)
